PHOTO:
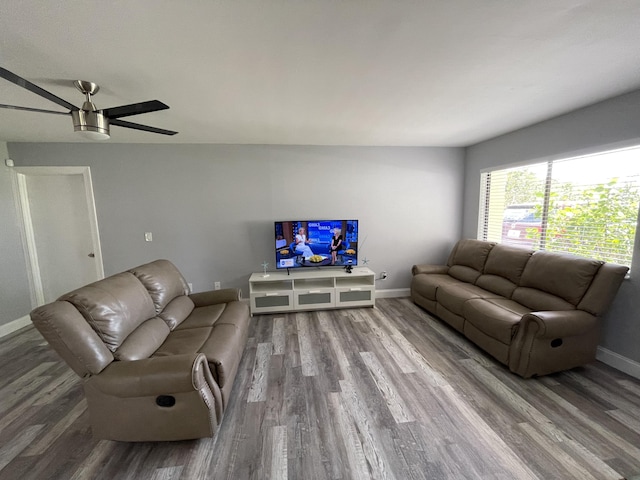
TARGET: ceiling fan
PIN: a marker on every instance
(88, 120)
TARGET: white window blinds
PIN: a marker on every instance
(586, 206)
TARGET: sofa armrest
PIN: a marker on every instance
(432, 269)
(153, 376)
(213, 297)
(552, 341)
(154, 399)
(557, 324)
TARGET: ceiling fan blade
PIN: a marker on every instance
(21, 82)
(29, 109)
(134, 109)
(137, 126)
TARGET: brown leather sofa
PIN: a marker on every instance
(536, 312)
(156, 363)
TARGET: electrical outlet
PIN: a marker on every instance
(190, 287)
(216, 286)
(383, 275)
(148, 236)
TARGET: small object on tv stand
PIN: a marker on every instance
(264, 267)
(348, 268)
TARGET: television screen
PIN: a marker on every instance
(316, 243)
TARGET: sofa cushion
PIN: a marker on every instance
(144, 340)
(471, 253)
(220, 344)
(177, 310)
(114, 307)
(538, 300)
(566, 276)
(453, 296)
(163, 281)
(464, 273)
(234, 314)
(507, 262)
(214, 330)
(203, 316)
(496, 284)
(223, 350)
(427, 284)
(496, 317)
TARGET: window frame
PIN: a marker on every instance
(483, 230)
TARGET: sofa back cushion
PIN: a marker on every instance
(507, 262)
(464, 273)
(144, 340)
(467, 259)
(603, 289)
(562, 275)
(177, 310)
(62, 325)
(503, 269)
(470, 253)
(163, 281)
(114, 307)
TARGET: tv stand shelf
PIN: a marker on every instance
(312, 289)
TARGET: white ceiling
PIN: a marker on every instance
(318, 72)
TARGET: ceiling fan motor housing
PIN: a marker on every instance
(93, 122)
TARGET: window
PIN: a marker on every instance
(586, 206)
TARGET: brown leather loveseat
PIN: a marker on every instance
(536, 312)
(156, 363)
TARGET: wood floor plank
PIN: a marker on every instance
(279, 462)
(309, 366)
(329, 328)
(629, 421)
(395, 351)
(357, 411)
(611, 438)
(397, 406)
(258, 390)
(388, 393)
(346, 430)
(279, 335)
(57, 430)
(11, 450)
(572, 467)
(167, 473)
(90, 467)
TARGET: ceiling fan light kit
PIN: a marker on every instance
(88, 121)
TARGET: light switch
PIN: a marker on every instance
(148, 237)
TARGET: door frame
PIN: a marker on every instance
(20, 175)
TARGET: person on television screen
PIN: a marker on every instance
(302, 246)
(336, 244)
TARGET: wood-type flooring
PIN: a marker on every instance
(381, 393)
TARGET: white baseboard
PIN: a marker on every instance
(617, 361)
(14, 325)
(393, 292)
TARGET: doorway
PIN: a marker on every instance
(60, 229)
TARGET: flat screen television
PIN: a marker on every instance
(316, 243)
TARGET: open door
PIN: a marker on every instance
(60, 229)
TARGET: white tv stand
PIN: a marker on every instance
(312, 289)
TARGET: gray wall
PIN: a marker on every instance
(611, 124)
(211, 208)
(15, 296)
